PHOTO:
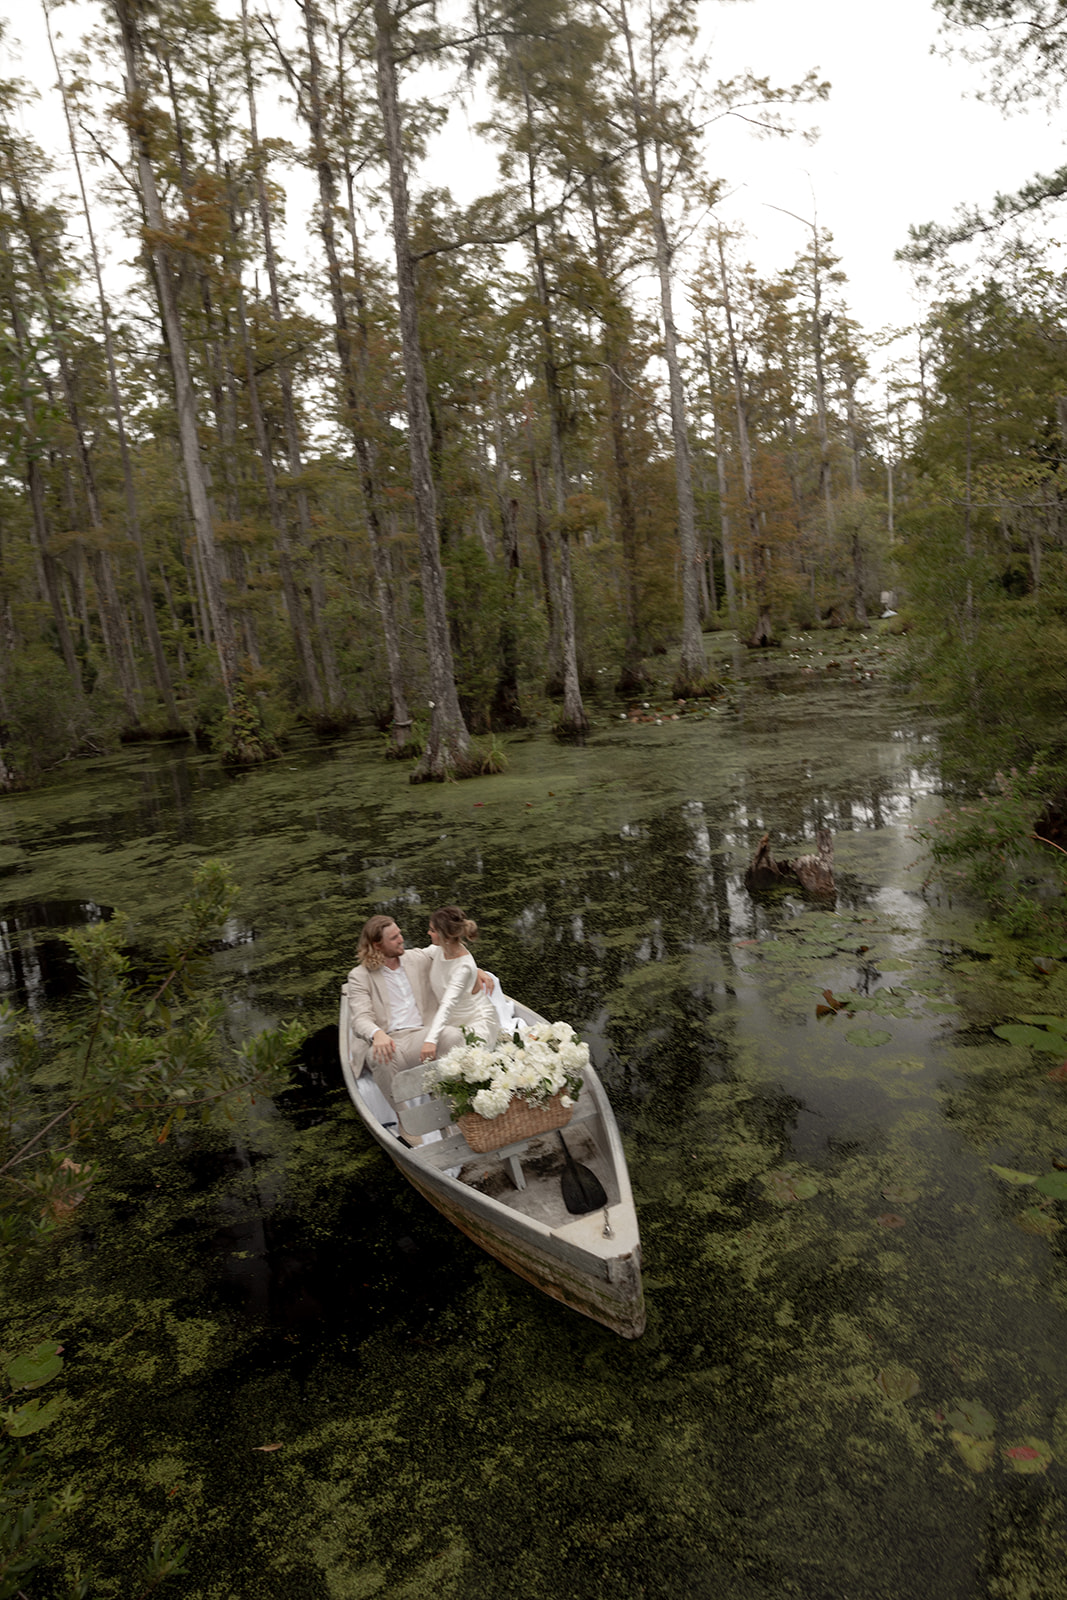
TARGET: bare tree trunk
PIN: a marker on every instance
(573, 720)
(48, 576)
(506, 709)
(692, 665)
(115, 643)
(449, 742)
(297, 621)
(160, 670)
(725, 533)
(353, 381)
(293, 600)
(859, 603)
(549, 579)
(633, 677)
(184, 395)
(763, 634)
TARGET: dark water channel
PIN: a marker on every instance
(854, 1380)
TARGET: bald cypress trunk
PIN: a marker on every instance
(692, 665)
(449, 742)
(156, 234)
(763, 634)
(573, 720)
(350, 344)
(160, 669)
(116, 640)
(633, 677)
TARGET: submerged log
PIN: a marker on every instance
(814, 873)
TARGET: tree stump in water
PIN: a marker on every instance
(764, 872)
(762, 636)
(814, 873)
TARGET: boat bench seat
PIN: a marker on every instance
(452, 1150)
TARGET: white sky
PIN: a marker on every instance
(902, 138)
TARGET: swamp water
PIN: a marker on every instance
(855, 1369)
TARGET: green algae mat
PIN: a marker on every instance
(845, 1126)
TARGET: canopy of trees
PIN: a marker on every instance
(453, 458)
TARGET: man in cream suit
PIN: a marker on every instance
(391, 1005)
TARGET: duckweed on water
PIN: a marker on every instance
(276, 1351)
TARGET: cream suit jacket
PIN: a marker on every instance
(368, 1002)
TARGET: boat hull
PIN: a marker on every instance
(615, 1299)
(575, 1264)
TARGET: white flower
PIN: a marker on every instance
(565, 1101)
(549, 1059)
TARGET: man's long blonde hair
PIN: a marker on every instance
(369, 951)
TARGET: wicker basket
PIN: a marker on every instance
(520, 1121)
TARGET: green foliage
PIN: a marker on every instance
(242, 737)
(30, 1521)
(981, 553)
(140, 1056)
(47, 719)
(476, 597)
(489, 755)
(989, 847)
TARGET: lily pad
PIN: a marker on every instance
(868, 1036)
(972, 1418)
(900, 1193)
(890, 1219)
(1040, 1223)
(894, 964)
(1010, 1175)
(37, 1366)
(777, 950)
(1036, 1038)
(32, 1417)
(787, 1187)
(978, 1454)
(1028, 1455)
(898, 1383)
(892, 1008)
(1054, 1184)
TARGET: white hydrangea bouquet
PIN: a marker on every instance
(537, 1069)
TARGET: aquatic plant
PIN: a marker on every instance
(242, 737)
(990, 846)
(142, 1053)
(30, 1519)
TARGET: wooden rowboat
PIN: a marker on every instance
(510, 1201)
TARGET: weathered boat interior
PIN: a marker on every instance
(525, 1176)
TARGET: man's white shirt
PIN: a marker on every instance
(403, 1012)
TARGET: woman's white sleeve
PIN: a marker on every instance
(460, 980)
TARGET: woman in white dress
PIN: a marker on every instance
(453, 971)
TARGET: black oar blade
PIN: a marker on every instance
(582, 1189)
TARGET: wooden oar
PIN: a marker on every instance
(582, 1189)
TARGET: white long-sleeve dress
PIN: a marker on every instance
(452, 982)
